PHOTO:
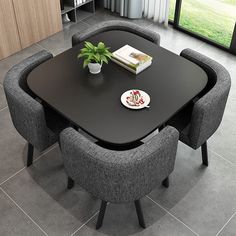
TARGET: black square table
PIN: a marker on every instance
(92, 102)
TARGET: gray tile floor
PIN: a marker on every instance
(200, 201)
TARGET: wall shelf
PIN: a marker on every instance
(88, 1)
(66, 9)
(73, 10)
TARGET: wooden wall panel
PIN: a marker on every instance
(37, 19)
(9, 37)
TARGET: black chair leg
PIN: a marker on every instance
(30, 154)
(101, 214)
(204, 154)
(166, 182)
(139, 213)
(70, 183)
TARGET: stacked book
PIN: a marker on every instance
(131, 59)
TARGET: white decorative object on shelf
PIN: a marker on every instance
(65, 18)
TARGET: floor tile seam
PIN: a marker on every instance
(173, 216)
(41, 47)
(2, 109)
(149, 26)
(12, 176)
(223, 158)
(83, 22)
(200, 44)
(227, 222)
(146, 26)
(23, 211)
(85, 223)
(96, 13)
(162, 26)
(19, 171)
(87, 24)
(84, 18)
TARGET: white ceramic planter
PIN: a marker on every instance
(94, 68)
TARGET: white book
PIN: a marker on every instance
(132, 55)
(135, 71)
(124, 61)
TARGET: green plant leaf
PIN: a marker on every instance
(109, 55)
(101, 45)
(95, 54)
(86, 62)
(84, 50)
(89, 45)
(97, 57)
(104, 59)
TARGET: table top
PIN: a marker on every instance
(92, 102)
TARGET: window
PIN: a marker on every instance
(211, 20)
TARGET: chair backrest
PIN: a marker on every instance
(27, 114)
(208, 110)
(115, 25)
(119, 176)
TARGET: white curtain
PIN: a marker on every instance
(158, 10)
(127, 8)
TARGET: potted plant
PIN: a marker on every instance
(94, 56)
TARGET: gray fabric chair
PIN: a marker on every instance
(119, 176)
(116, 25)
(199, 120)
(28, 114)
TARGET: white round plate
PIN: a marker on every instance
(124, 99)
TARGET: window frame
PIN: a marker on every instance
(175, 23)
